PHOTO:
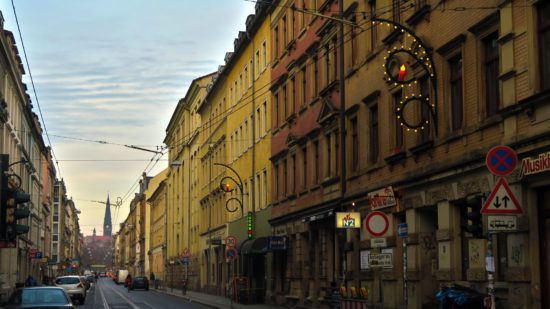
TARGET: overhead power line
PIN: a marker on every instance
(34, 88)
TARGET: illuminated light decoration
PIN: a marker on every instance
(227, 187)
(250, 225)
(402, 72)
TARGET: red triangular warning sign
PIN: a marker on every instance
(501, 200)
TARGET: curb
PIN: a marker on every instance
(189, 299)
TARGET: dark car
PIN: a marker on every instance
(140, 283)
(39, 297)
(90, 278)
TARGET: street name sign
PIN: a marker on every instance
(501, 200)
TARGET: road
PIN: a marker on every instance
(105, 294)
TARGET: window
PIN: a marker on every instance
(316, 161)
(264, 127)
(293, 174)
(284, 103)
(258, 126)
(294, 99)
(544, 43)
(455, 68)
(264, 55)
(285, 177)
(425, 110)
(315, 81)
(285, 36)
(398, 128)
(354, 145)
(276, 42)
(396, 11)
(276, 180)
(258, 195)
(492, 91)
(264, 188)
(304, 88)
(373, 142)
(327, 65)
(246, 80)
(303, 15)
(257, 64)
(276, 101)
(334, 72)
(373, 27)
(328, 152)
(353, 48)
(304, 167)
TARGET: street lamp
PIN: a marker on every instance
(226, 187)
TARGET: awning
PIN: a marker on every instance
(258, 245)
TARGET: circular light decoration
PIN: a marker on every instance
(414, 50)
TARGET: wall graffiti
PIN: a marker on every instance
(517, 254)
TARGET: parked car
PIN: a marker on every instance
(39, 297)
(90, 278)
(140, 283)
(86, 282)
(74, 286)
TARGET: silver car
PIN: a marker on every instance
(74, 286)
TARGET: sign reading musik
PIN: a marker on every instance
(536, 165)
(381, 198)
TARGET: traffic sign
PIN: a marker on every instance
(230, 253)
(501, 160)
(502, 223)
(231, 241)
(501, 200)
(377, 223)
(403, 230)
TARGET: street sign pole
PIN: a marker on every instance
(405, 294)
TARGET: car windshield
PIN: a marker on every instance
(38, 296)
(67, 280)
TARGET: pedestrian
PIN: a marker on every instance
(30, 281)
(152, 277)
(128, 282)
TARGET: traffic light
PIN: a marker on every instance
(475, 220)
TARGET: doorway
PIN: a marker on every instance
(543, 199)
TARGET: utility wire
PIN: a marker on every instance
(34, 88)
(242, 102)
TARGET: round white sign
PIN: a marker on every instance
(377, 223)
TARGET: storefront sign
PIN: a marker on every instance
(278, 243)
(381, 198)
(381, 260)
(348, 220)
(540, 164)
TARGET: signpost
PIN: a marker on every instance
(501, 161)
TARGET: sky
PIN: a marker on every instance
(113, 71)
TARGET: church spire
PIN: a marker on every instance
(107, 224)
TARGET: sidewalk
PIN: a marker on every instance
(213, 301)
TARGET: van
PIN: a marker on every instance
(121, 275)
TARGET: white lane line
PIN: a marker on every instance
(105, 304)
(126, 299)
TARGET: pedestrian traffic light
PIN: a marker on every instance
(475, 220)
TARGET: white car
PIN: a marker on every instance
(74, 286)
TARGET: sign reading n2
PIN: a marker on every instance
(348, 220)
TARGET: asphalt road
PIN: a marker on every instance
(105, 294)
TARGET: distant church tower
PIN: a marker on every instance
(107, 225)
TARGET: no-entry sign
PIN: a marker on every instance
(377, 223)
(501, 160)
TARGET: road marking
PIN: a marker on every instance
(105, 304)
(126, 299)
